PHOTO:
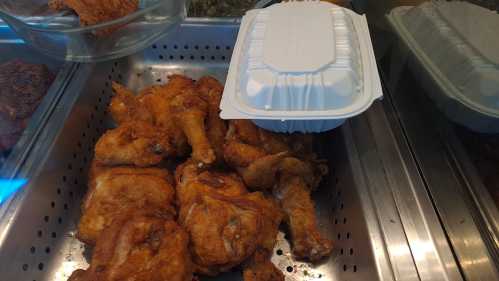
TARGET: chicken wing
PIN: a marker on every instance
(211, 90)
(140, 246)
(125, 106)
(133, 143)
(190, 112)
(113, 191)
(225, 223)
(307, 241)
(93, 12)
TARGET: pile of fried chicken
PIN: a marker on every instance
(222, 207)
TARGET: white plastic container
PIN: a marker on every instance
(290, 73)
(456, 44)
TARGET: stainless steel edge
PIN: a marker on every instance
(377, 237)
(419, 247)
(446, 184)
(31, 135)
(430, 248)
(45, 139)
(39, 118)
(380, 195)
(487, 213)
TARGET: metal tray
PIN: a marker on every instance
(453, 181)
(11, 47)
(356, 204)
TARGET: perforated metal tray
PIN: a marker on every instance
(355, 204)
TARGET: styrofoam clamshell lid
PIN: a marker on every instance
(301, 61)
(460, 41)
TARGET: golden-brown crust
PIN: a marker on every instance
(238, 154)
(308, 243)
(57, 5)
(125, 106)
(260, 268)
(211, 90)
(133, 143)
(225, 223)
(190, 112)
(93, 12)
(287, 165)
(113, 191)
(140, 246)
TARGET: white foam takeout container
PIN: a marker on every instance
(455, 45)
(301, 66)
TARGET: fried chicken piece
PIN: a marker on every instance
(133, 143)
(211, 90)
(57, 5)
(93, 12)
(140, 246)
(157, 100)
(125, 106)
(294, 196)
(113, 191)
(295, 178)
(268, 162)
(175, 86)
(179, 109)
(225, 184)
(260, 268)
(244, 131)
(238, 154)
(190, 112)
(257, 169)
(225, 223)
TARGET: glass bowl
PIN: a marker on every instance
(59, 34)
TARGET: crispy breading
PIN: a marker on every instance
(307, 241)
(133, 143)
(190, 112)
(260, 268)
(113, 191)
(211, 90)
(157, 99)
(57, 5)
(225, 223)
(271, 161)
(125, 106)
(93, 12)
(140, 246)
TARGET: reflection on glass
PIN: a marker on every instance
(9, 187)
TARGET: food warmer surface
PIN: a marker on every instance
(373, 204)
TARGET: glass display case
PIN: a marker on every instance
(430, 53)
(412, 188)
